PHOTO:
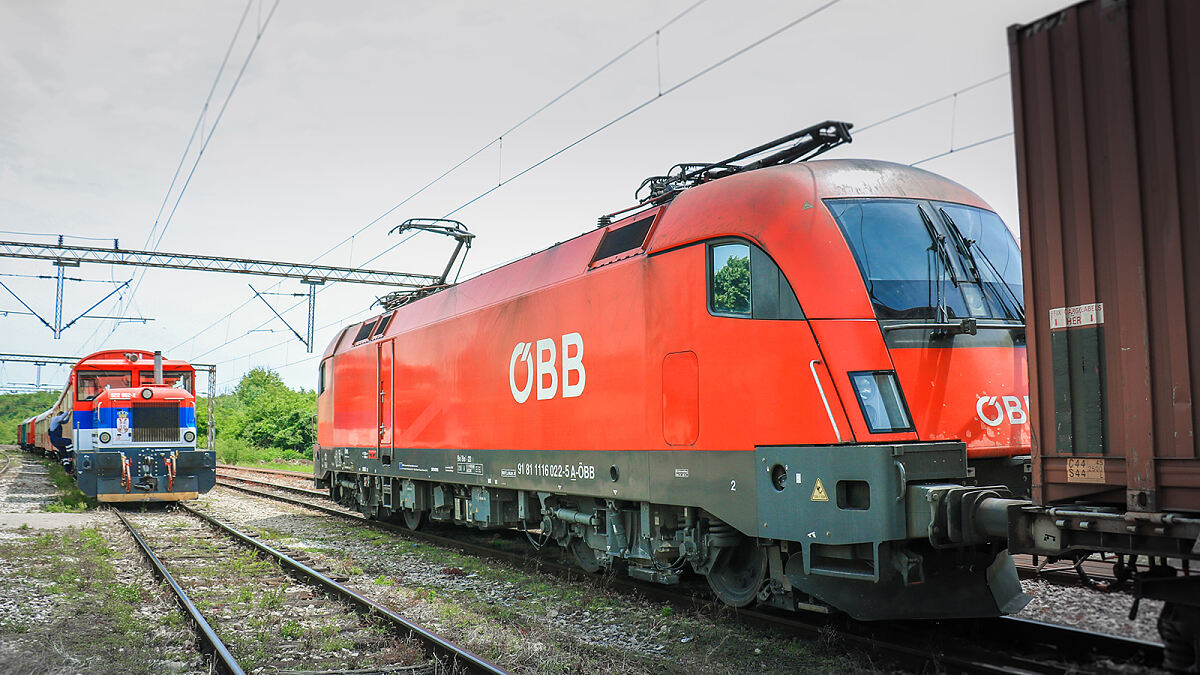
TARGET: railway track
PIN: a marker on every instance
(269, 472)
(287, 615)
(311, 492)
(1097, 574)
(969, 646)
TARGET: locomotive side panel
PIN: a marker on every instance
(754, 377)
(355, 399)
(550, 370)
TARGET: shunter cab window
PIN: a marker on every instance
(88, 384)
(174, 379)
(743, 281)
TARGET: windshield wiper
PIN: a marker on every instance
(940, 255)
(964, 246)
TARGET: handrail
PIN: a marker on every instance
(812, 367)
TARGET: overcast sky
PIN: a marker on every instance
(346, 109)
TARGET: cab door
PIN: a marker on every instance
(384, 403)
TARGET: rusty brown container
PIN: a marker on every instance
(1106, 98)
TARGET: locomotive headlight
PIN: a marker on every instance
(189, 436)
(105, 437)
(147, 393)
(881, 401)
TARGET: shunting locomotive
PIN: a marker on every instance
(125, 427)
(789, 376)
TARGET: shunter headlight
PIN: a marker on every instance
(105, 437)
(147, 393)
(881, 401)
(189, 436)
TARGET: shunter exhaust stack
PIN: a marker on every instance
(158, 376)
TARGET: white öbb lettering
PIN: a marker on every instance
(993, 410)
(540, 359)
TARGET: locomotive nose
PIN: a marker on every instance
(974, 390)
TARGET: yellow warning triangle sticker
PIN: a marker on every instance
(819, 494)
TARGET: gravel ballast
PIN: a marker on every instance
(526, 621)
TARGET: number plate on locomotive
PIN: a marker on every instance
(1085, 470)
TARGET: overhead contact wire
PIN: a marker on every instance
(649, 101)
(208, 138)
(723, 61)
(499, 139)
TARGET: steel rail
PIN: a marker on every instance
(436, 645)
(899, 640)
(207, 635)
(278, 472)
(309, 492)
(447, 542)
(1063, 575)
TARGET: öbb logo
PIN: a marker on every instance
(540, 359)
(993, 409)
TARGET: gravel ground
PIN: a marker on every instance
(527, 621)
(282, 479)
(1072, 606)
(533, 622)
(80, 599)
(268, 620)
(1090, 610)
(50, 622)
(25, 487)
(1079, 607)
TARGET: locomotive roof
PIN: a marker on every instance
(765, 206)
(116, 358)
(877, 178)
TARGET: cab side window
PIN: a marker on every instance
(743, 281)
(729, 279)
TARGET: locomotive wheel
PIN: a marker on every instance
(738, 573)
(414, 519)
(1179, 627)
(584, 556)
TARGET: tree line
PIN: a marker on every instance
(262, 417)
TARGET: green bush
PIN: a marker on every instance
(261, 421)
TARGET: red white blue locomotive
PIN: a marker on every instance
(793, 378)
(125, 426)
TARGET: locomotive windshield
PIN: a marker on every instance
(88, 384)
(171, 378)
(933, 260)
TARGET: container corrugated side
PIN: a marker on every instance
(1106, 98)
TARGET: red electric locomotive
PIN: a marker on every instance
(771, 373)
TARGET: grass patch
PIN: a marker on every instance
(240, 453)
(515, 630)
(272, 598)
(96, 623)
(70, 499)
